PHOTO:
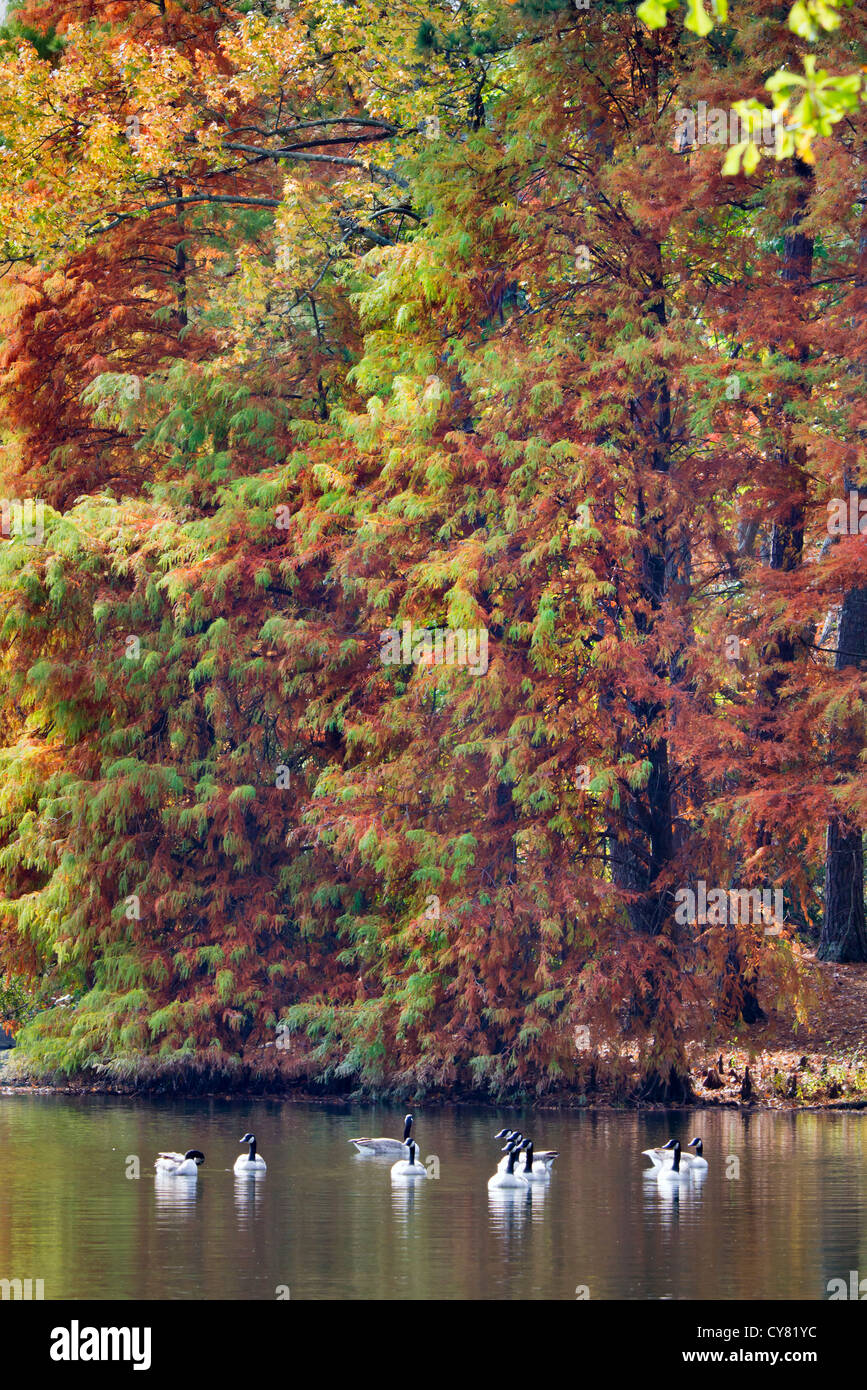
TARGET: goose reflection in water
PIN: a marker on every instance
(538, 1196)
(174, 1195)
(248, 1198)
(403, 1198)
(510, 1209)
(672, 1198)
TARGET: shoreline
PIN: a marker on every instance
(455, 1102)
(304, 1095)
(816, 1064)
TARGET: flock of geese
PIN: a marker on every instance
(511, 1173)
(175, 1165)
(671, 1164)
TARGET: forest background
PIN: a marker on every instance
(433, 606)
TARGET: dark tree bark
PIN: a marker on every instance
(785, 553)
(638, 863)
(639, 860)
(844, 931)
(738, 988)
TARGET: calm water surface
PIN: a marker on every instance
(326, 1223)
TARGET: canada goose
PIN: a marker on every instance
(673, 1173)
(691, 1161)
(543, 1157)
(386, 1146)
(251, 1162)
(509, 1178)
(175, 1165)
(513, 1137)
(663, 1157)
(538, 1174)
(698, 1160)
(408, 1167)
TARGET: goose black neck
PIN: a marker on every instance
(510, 1166)
(699, 1147)
(675, 1167)
(407, 1128)
(252, 1150)
(529, 1158)
(411, 1147)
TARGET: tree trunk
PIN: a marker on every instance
(844, 931)
(638, 863)
(785, 553)
(640, 858)
(738, 988)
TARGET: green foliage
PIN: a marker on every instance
(17, 1004)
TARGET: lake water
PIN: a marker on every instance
(781, 1211)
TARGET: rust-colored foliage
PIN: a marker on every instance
(551, 383)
